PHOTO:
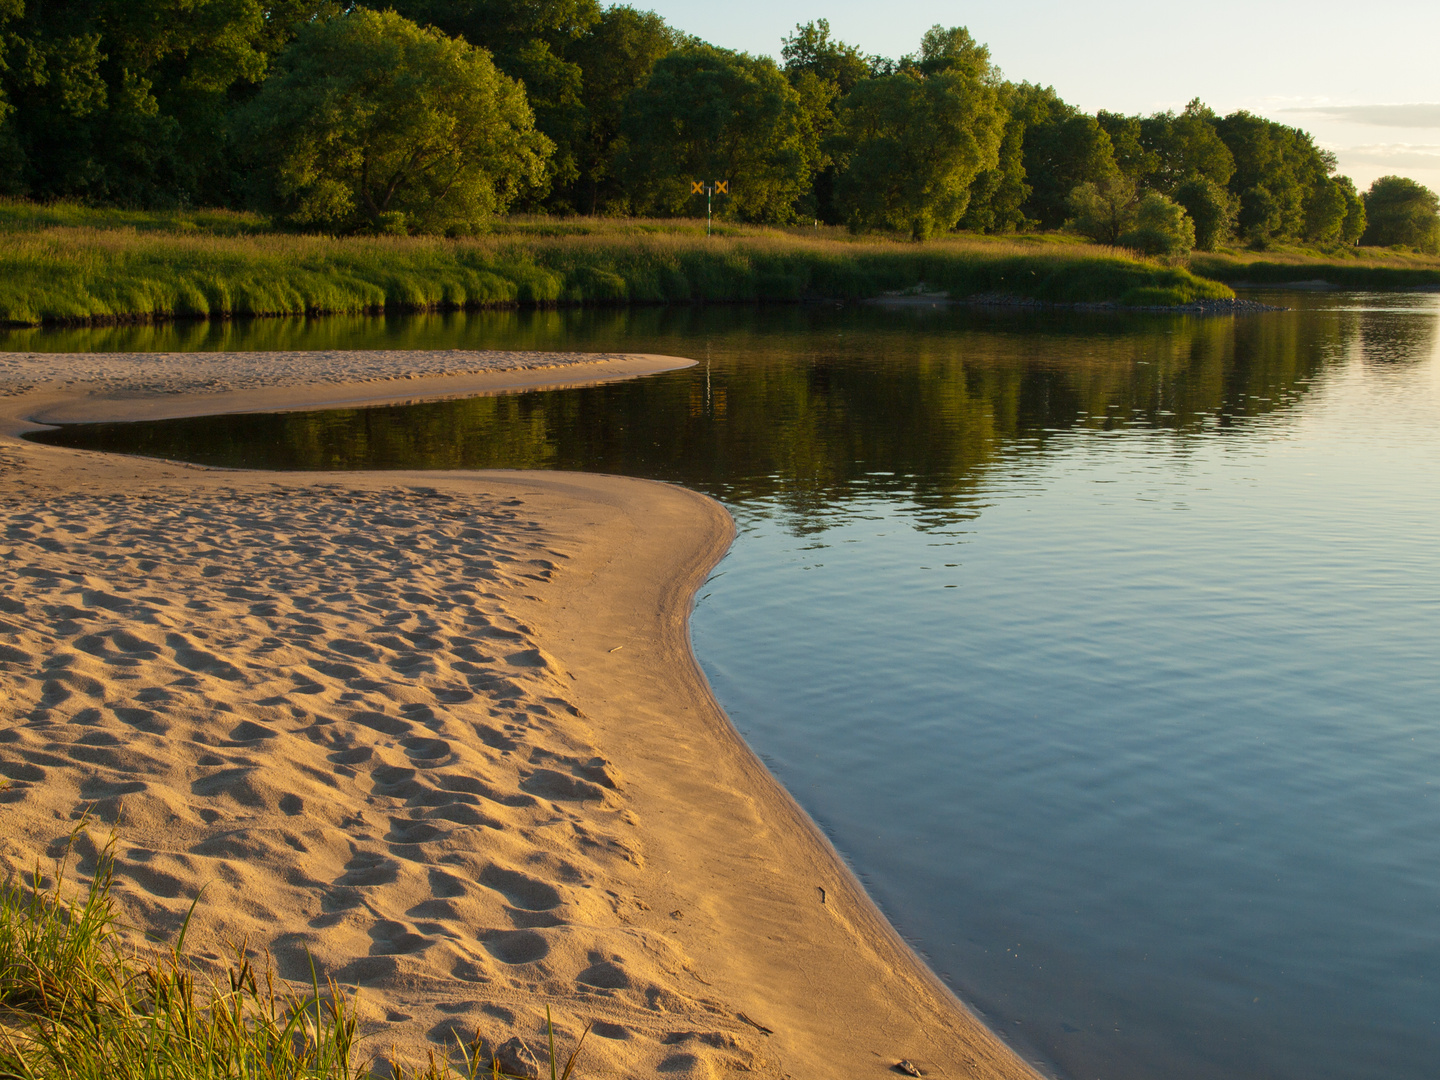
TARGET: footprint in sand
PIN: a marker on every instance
(515, 947)
(549, 784)
(367, 870)
(193, 658)
(605, 976)
(395, 939)
(405, 831)
(520, 890)
(426, 751)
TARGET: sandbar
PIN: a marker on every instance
(440, 733)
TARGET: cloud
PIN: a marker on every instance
(1397, 116)
(1407, 155)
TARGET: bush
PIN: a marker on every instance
(1161, 227)
(1103, 211)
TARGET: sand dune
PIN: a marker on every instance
(442, 736)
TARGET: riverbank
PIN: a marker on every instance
(442, 733)
(1363, 268)
(62, 274)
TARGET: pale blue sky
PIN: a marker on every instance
(1309, 64)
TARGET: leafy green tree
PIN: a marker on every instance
(1104, 210)
(822, 70)
(10, 157)
(1212, 210)
(1283, 180)
(953, 49)
(1184, 146)
(615, 57)
(9, 11)
(529, 40)
(506, 28)
(1355, 222)
(1401, 211)
(811, 49)
(1261, 217)
(1126, 142)
(1161, 227)
(911, 144)
(1063, 149)
(997, 195)
(713, 114)
(118, 101)
(283, 19)
(369, 121)
(1325, 211)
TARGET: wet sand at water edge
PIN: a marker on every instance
(441, 732)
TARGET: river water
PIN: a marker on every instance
(1106, 648)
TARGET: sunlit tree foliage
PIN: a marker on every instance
(369, 121)
(1400, 211)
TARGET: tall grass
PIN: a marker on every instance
(76, 1004)
(71, 273)
(1348, 268)
(19, 216)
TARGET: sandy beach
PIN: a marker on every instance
(442, 733)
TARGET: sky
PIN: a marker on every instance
(1364, 79)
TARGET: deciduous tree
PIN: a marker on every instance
(1104, 210)
(713, 114)
(1185, 145)
(1212, 209)
(369, 121)
(998, 194)
(1063, 149)
(118, 101)
(529, 40)
(1354, 226)
(823, 70)
(1401, 211)
(910, 144)
(1161, 227)
(615, 57)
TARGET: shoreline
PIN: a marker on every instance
(1233, 306)
(471, 699)
(107, 386)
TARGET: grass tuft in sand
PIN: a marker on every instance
(77, 1004)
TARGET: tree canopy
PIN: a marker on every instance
(607, 109)
(370, 120)
(1400, 211)
(910, 145)
(708, 114)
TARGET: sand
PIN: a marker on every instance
(441, 733)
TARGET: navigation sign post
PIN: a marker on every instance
(709, 190)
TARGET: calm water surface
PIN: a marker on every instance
(1104, 648)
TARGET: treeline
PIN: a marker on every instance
(429, 115)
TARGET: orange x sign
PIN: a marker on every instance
(697, 187)
(722, 187)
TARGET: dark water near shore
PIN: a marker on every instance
(1104, 647)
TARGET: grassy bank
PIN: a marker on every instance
(77, 1004)
(55, 271)
(1352, 268)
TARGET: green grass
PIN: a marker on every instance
(1340, 266)
(99, 268)
(18, 216)
(76, 1004)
